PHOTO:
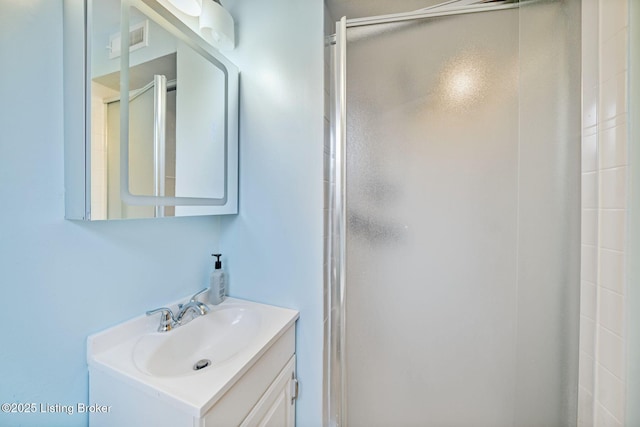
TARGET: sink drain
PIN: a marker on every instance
(201, 364)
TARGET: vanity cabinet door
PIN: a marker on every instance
(276, 408)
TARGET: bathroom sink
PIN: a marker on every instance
(206, 341)
(223, 345)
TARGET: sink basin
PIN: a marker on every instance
(232, 337)
(204, 342)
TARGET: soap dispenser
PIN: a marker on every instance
(217, 285)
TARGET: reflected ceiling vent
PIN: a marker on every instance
(138, 38)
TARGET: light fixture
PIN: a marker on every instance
(216, 25)
(188, 7)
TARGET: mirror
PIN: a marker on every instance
(161, 116)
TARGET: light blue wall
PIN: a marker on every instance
(61, 280)
(273, 248)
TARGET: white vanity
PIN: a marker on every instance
(234, 366)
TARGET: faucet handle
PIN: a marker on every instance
(166, 318)
(197, 294)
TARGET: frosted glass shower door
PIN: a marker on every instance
(434, 236)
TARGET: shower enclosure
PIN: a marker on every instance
(454, 246)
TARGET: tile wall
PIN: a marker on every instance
(602, 384)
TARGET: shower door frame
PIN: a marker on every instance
(335, 400)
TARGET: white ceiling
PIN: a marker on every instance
(362, 8)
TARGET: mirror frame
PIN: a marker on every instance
(77, 110)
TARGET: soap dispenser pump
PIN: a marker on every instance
(217, 285)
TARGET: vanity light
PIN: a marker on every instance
(188, 7)
(216, 25)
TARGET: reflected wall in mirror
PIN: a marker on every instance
(161, 116)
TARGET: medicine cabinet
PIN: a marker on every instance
(150, 114)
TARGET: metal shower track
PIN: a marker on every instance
(447, 8)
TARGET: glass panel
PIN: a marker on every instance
(199, 115)
(549, 213)
(462, 289)
(432, 156)
(195, 130)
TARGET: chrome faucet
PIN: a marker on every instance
(167, 319)
(197, 307)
